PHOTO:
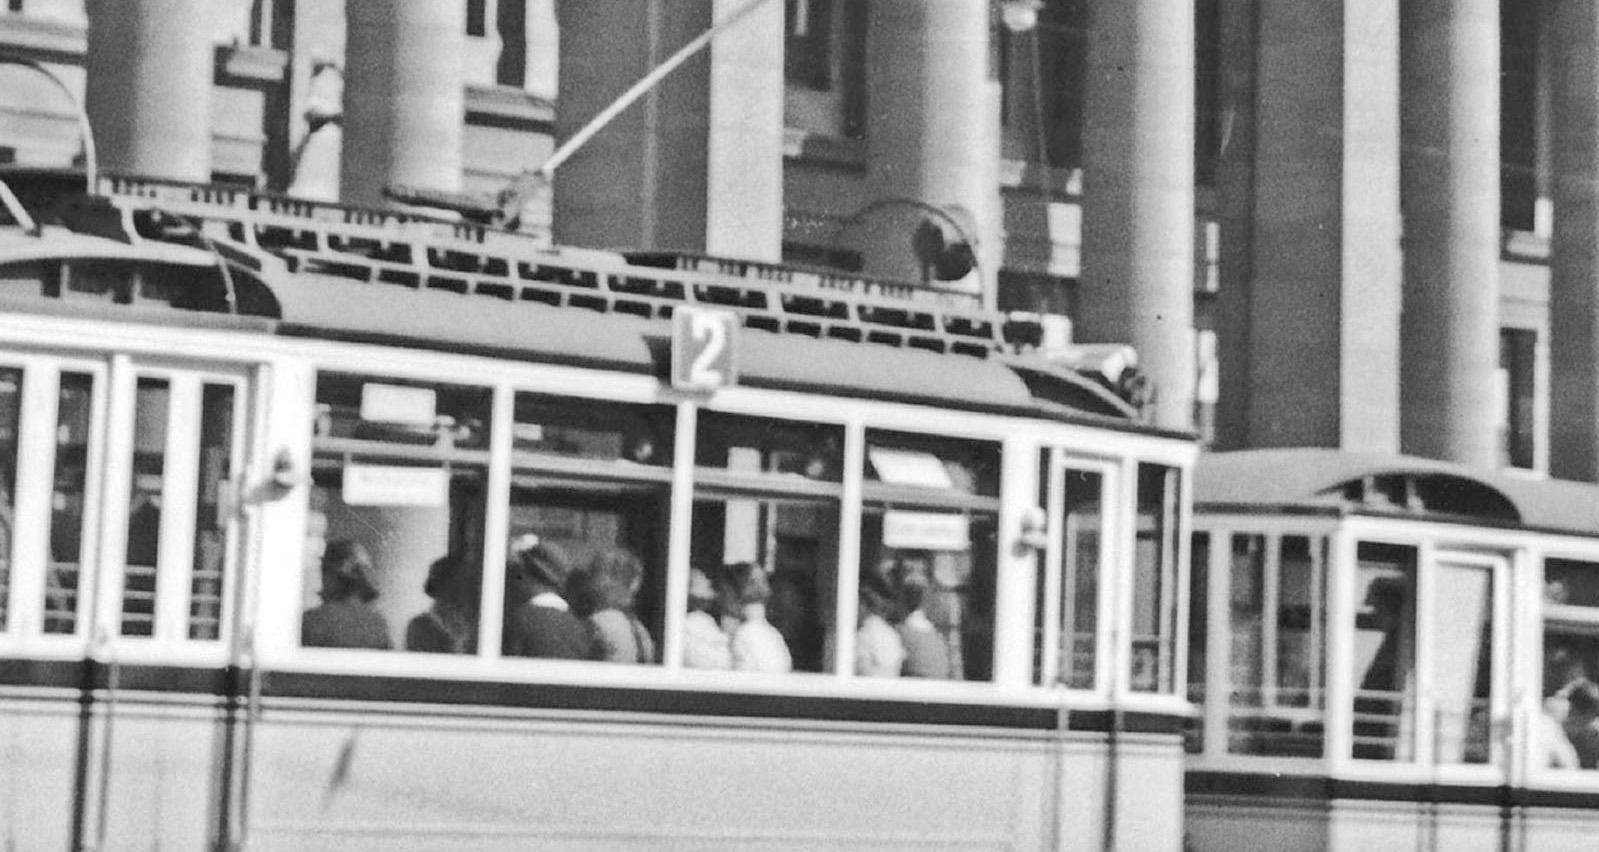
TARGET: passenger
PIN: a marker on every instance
(346, 617)
(705, 645)
(757, 646)
(538, 621)
(450, 625)
(926, 652)
(605, 592)
(1581, 724)
(878, 649)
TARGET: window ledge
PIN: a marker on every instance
(250, 64)
(508, 106)
(1525, 246)
(823, 150)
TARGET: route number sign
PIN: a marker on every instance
(704, 349)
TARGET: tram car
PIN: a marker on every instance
(332, 528)
(1391, 653)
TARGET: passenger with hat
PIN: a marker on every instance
(538, 620)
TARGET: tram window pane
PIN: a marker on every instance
(394, 555)
(592, 429)
(74, 405)
(151, 405)
(1198, 629)
(1571, 583)
(1299, 624)
(932, 463)
(206, 581)
(1154, 580)
(929, 550)
(1463, 638)
(1384, 653)
(759, 446)
(927, 594)
(586, 577)
(10, 415)
(1246, 718)
(764, 545)
(1568, 729)
(396, 411)
(765, 575)
(1081, 523)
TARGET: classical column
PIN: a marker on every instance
(931, 133)
(148, 95)
(1137, 281)
(1317, 276)
(697, 164)
(1574, 244)
(1450, 171)
(404, 97)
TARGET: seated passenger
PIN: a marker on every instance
(926, 652)
(1581, 724)
(879, 652)
(538, 621)
(757, 646)
(450, 625)
(346, 617)
(705, 646)
(604, 592)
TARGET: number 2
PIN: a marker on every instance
(711, 332)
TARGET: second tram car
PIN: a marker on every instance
(279, 482)
(1391, 653)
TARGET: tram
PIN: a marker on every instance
(254, 451)
(1391, 653)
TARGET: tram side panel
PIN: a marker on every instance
(163, 760)
(329, 781)
(38, 746)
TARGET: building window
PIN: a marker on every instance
(477, 18)
(1208, 123)
(1518, 114)
(808, 53)
(271, 23)
(1043, 71)
(1518, 354)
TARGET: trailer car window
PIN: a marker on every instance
(1568, 726)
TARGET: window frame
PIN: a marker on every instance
(1062, 460)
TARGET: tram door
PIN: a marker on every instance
(167, 571)
(1467, 641)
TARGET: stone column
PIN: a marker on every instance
(697, 164)
(404, 97)
(1574, 244)
(148, 95)
(1450, 169)
(1317, 276)
(931, 134)
(1137, 283)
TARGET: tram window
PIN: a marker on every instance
(764, 544)
(1077, 610)
(589, 509)
(591, 429)
(1155, 580)
(1275, 646)
(74, 400)
(929, 537)
(151, 407)
(394, 411)
(1384, 656)
(395, 535)
(10, 415)
(210, 535)
(1198, 630)
(1568, 729)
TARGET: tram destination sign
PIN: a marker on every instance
(704, 349)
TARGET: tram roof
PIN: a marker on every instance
(328, 271)
(1319, 480)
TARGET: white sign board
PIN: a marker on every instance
(398, 404)
(386, 485)
(926, 531)
(704, 348)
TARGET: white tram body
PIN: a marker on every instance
(201, 388)
(1391, 653)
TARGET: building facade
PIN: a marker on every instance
(1352, 224)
